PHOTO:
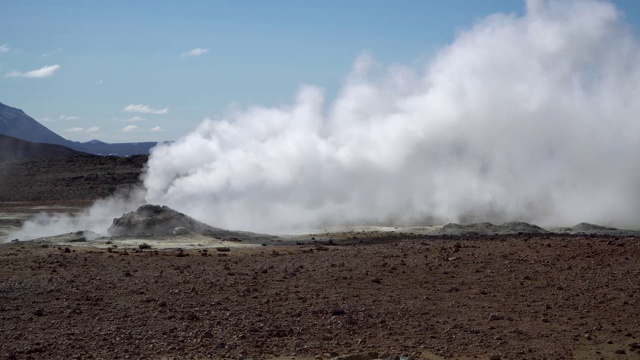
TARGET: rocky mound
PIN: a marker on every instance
(160, 221)
(486, 228)
(589, 228)
(592, 229)
(154, 220)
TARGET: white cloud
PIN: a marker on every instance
(135, 119)
(45, 71)
(4, 48)
(99, 82)
(195, 52)
(156, 129)
(66, 117)
(81, 129)
(130, 128)
(46, 119)
(144, 109)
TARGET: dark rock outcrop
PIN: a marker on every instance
(158, 220)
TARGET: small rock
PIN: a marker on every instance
(353, 357)
(180, 230)
(495, 317)
(620, 352)
(376, 280)
(337, 312)
(223, 249)
(38, 312)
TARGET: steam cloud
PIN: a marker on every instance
(97, 218)
(522, 118)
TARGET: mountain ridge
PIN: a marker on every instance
(15, 123)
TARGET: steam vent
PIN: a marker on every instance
(155, 220)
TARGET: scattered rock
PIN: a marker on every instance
(337, 312)
(192, 316)
(353, 357)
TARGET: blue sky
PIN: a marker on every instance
(123, 71)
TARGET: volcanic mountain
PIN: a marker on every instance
(17, 124)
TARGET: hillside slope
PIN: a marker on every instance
(17, 149)
(17, 124)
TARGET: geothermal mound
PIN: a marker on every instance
(485, 228)
(154, 220)
(591, 229)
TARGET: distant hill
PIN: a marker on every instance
(17, 149)
(17, 124)
(119, 149)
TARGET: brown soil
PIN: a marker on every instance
(510, 297)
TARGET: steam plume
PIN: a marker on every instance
(530, 118)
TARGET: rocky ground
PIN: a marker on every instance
(76, 178)
(487, 297)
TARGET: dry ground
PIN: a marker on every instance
(510, 297)
(76, 178)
